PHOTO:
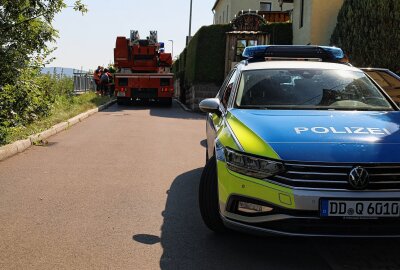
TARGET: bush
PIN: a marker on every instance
(30, 98)
(372, 39)
(205, 57)
(280, 33)
(175, 66)
(182, 66)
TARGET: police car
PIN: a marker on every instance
(301, 143)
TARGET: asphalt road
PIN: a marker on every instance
(119, 191)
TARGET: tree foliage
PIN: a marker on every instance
(368, 31)
(25, 32)
(281, 33)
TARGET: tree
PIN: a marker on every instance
(25, 31)
(368, 31)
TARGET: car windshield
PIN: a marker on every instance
(309, 89)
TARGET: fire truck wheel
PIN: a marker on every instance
(166, 102)
(121, 101)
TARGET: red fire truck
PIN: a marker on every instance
(143, 70)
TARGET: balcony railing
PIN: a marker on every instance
(276, 16)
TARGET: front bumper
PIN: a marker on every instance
(318, 228)
(297, 211)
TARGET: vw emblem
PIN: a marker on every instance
(359, 178)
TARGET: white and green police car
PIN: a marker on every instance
(301, 143)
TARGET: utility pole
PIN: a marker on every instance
(190, 23)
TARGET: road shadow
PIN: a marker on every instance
(203, 143)
(188, 244)
(157, 110)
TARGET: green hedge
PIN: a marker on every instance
(175, 66)
(205, 59)
(368, 31)
(182, 60)
(280, 33)
(178, 67)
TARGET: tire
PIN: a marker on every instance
(208, 198)
(167, 102)
(121, 101)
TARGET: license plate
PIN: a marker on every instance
(360, 209)
(120, 94)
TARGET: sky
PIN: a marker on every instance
(89, 40)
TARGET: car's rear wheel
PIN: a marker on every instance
(208, 197)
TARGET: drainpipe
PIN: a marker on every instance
(213, 12)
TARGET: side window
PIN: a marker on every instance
(228, 89)
(378, 78)
(392, 81)
(223, 87)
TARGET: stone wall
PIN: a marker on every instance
(198, 92)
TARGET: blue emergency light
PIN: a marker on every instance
(325, 53)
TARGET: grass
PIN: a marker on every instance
(63, 109)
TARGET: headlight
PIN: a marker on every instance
(252, 166)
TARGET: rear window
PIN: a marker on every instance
(309, 89)
(165, 82)
(123, 81)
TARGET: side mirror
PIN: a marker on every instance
(210, 105)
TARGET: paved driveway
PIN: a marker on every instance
(119, 191)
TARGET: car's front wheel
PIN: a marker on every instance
(208, 197)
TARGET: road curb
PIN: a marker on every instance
(14, 148)
(183, 105)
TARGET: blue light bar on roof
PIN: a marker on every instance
(326, 53)
(337, 52)
(252, 51)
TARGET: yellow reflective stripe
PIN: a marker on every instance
(249, 140)
(226, 139)
(223, 134)
(231, 183)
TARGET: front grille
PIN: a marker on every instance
(335, 176)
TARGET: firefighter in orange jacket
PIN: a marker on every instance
(96, 78)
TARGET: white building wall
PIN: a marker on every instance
(319, 21)
(302, 34)
(324, 20)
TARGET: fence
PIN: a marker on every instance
(83, 82)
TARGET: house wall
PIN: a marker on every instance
(324, 20)
(226, 10)
(319, 21)
(302, 34)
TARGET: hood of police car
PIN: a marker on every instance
(320, 136)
